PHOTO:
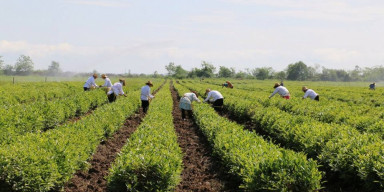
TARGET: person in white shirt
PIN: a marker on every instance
(107, 83)
(282, 91)
(146, 96)
(186, 103)
(116, 90)
(90, 83)
(310, 93)
(215, 97)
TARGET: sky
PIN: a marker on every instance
(143, 36)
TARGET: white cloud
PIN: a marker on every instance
(290, 3)
(215, 17)
(341, 10)
(334, 55)
(100, 3)
(37, 50)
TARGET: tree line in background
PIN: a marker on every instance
(295, 71)
(25, 66)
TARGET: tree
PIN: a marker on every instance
(24, 65)
(207, 70)
(241, 75)
(356, 73)
(194, 73)
(226, 72)
(156, 74)
(176, 71)
(1, 65)
(8, 70)
(54, 68)
(280, 75)
(171, 68)
(263, 73)
(298, 71)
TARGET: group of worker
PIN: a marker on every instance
(213, 96)
(217, 99)
(284, 93)
(116, 89)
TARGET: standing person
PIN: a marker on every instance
(186, 103)
(310, 93)
(107, 83)
(372, 86)
(116, 89)
(146, 95)
(90, 83)
(215, 97)
(283, 92)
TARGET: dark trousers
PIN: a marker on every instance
(111, 97)
(317, 98)
(86, 89)
(145, 105)
(218, 104)
(183, 113)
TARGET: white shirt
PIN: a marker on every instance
(117, 89)
(191, 97)
(281, 90)
(310, 93)
(107, 82)
(146, 93)
(215, 95)
(90, 82)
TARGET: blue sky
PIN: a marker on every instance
(142, 36)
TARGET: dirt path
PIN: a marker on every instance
(93, 179)
(201, 172)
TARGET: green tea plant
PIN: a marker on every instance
(317, 139)
(152, 159)
(259, 164)
(46, 161)
(32, 92)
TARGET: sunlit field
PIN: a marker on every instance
(52, 131)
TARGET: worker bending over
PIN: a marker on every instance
(214, 97)
(310, 93)
(282, 91)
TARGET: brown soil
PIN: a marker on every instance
(93, 179)
(202, 171)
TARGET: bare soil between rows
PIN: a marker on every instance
(93, 179)
(202, 171)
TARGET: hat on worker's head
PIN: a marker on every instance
(122, 81)
(149, 83)
(276, 85)
(207, 90)
(304, 88)
(94, 75)
(195, 93)
(103, 76)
